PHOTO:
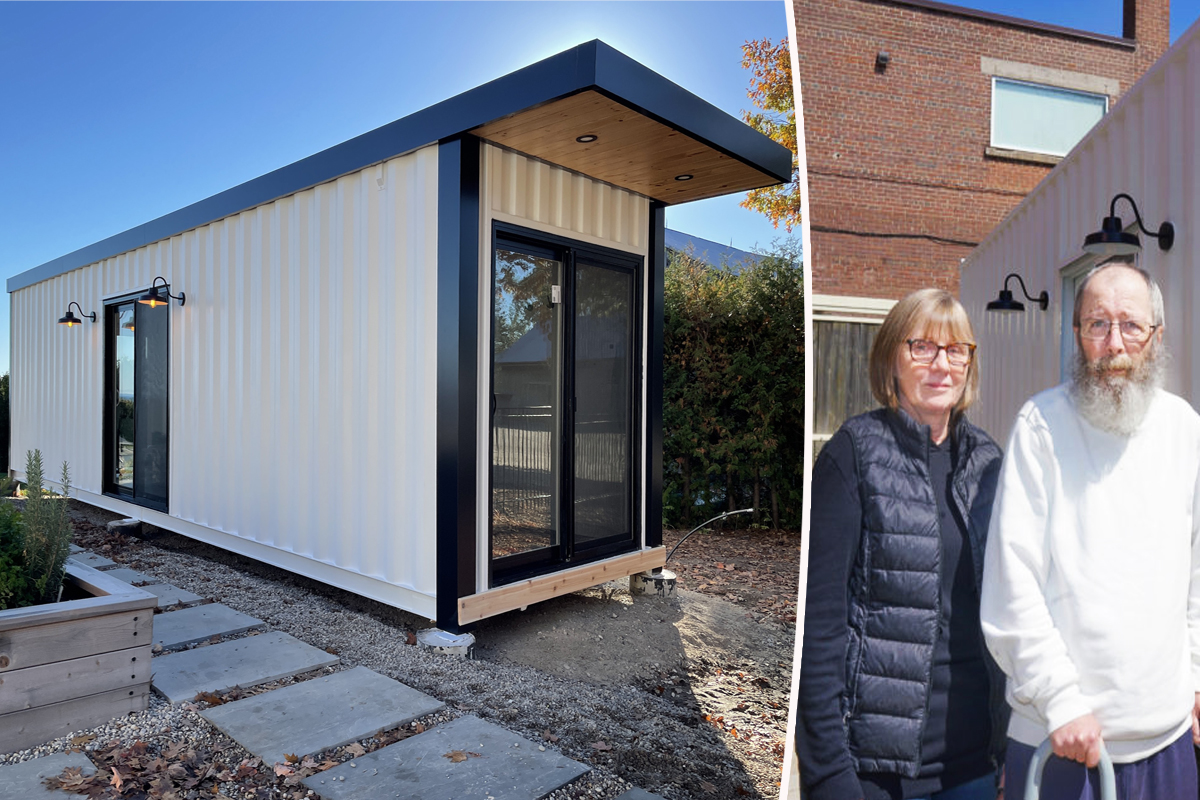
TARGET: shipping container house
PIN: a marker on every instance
(424, 365)
(1148, 148)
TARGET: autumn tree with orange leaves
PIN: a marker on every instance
(771, 93)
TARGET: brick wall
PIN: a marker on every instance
(900, 187)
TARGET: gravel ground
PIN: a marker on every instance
(686, 698)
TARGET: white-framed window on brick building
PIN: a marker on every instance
(1036, 118)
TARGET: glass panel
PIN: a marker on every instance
(123, 398)
(151, 342)
(1042, 119)
(603, 403)
(525, 420)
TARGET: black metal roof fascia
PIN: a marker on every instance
(569, 72)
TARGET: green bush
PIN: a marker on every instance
(733, 390)
(14, 590)
(34, 546)
(48, 530)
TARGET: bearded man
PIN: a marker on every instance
(1090, 600)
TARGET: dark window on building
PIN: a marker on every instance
(136, 382)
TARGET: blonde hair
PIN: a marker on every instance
(925, 311)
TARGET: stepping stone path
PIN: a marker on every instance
(24, 781)
(241, 662)
(169, 595)
(491, 764)
(191, 625)
(317, 714)
(463, 759)
(131, 576)
(92, 560)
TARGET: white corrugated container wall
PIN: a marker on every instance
(1147, 147)
(303, 379)
(536, 195)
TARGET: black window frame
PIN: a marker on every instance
(109, 487)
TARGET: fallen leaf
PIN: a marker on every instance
(283, 769)
(458, 756)
(418, 727)
(84, 739)
(355, 749)
(116, 779)
(708, 787)
(602, 746)
(291, 758)
(548, 736)
(412, 638)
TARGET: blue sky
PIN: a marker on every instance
(117, 113)
(114, 114)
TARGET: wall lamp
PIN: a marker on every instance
(153, 299)
(1112, 240)
(1005, 301)
(70, 319)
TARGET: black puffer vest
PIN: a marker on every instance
(895, 596)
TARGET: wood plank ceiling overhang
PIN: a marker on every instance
(632, 149)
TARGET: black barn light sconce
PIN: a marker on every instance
(882, 59)
(1005, 301)
(69, 319)
(153, 299)
(1111, 240)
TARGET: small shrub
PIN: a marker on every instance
(48, 531)
(13, 586)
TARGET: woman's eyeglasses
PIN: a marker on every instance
(923, 351)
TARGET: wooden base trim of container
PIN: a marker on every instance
(516, 595)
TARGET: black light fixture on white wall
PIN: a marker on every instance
(153, 299)
(1005, 301)
(1112, 240)
(70, 320)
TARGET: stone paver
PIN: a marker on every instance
(169, 595)
(24, 781)
(74, 548)
(92, 560)
(131, 576)
(500, 765)
(320, 713)
(242, 662)
(188, 625)
(638, 794)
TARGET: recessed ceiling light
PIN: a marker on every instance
(586, 138)
(684, 177)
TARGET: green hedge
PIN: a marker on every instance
(733, 404)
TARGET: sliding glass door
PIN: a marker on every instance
(137, 370)
(565, 361)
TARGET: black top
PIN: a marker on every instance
(954, 744)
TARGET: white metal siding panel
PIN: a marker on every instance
(531, 193)
(1147, 146)
(303, 386)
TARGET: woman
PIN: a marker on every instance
(898, 697)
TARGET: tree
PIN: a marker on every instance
(771, 92)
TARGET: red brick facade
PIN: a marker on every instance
(900, 188)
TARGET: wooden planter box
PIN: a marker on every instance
(75, 664)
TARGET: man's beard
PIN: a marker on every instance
(1112, 401)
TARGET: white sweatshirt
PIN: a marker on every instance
(1091, 581)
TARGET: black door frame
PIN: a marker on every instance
(546, 560)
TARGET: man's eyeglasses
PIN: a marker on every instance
(924, 351)
(1132, 331)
